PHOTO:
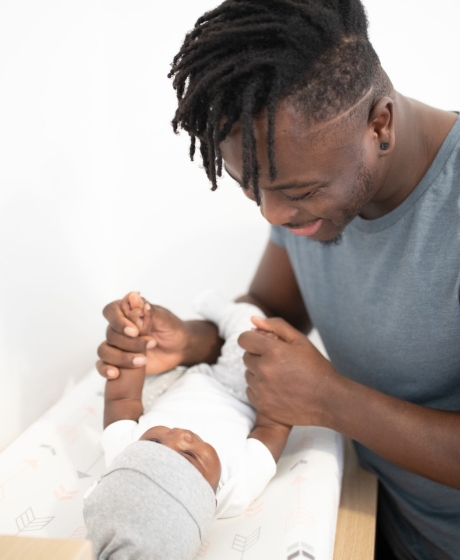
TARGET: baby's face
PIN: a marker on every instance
(199, 453)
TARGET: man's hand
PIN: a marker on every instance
(167, 343)
(161, 348)
(288, 378)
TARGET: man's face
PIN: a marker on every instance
(324, 173)
(188, 444)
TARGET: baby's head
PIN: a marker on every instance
(154, 502)
(200, 454)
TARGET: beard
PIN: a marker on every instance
(360, 197)
(337, 240)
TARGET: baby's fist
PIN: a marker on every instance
(137, 309)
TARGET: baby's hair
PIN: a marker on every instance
(246, 56)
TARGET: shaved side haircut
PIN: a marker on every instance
(246, 56)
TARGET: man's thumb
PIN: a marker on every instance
(278, 326)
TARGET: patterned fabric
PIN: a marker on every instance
(47, 470)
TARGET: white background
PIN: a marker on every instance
(97, 196)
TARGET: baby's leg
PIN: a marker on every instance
(232, 319)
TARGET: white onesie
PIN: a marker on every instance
(209, 401)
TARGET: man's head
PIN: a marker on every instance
(271, 85)
(190, 446)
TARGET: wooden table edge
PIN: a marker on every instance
(355, 534)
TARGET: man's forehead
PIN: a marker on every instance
(300, 160)
(294, 132)
(281, 184)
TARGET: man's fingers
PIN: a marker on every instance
(137, 345)
(268, 334)
(120, 358)
(249, 377)
(251, 397)
(124, 304)
(251, 361)
(113, 312)
(279, 327)
(106, 370)
(254, 342)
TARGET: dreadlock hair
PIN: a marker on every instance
(246, 56)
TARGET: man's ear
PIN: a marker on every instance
(381, 126)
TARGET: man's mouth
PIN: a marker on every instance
(309, 230)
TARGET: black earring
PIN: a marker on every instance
(384, 146)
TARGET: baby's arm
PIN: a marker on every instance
(273, 435)
(123, 396)
(233, 319)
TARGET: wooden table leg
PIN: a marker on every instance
(355, 535)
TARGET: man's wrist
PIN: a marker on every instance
(203, 343)
(340, 403)
(333, 400)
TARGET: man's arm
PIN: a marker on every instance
(290, 381)
(422, 440)
(274, 290)
(170, 342)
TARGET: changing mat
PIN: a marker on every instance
(47, 470)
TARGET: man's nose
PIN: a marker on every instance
(275, 211)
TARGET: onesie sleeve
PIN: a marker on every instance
(257, 467)
(116, 437)
(232, 319)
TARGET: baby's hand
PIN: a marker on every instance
(168, 338)
(137, 309)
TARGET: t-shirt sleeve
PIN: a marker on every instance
(118, 436)
(256, 469)
(276, 235)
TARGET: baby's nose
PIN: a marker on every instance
(186, 435)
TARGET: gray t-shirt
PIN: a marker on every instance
(386, 304)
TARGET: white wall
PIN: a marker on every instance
(97, 196)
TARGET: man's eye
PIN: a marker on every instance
(301, 197)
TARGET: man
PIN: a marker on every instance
(362, 187)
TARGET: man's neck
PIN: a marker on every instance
(420, 131)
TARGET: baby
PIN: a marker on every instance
(201, 451)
